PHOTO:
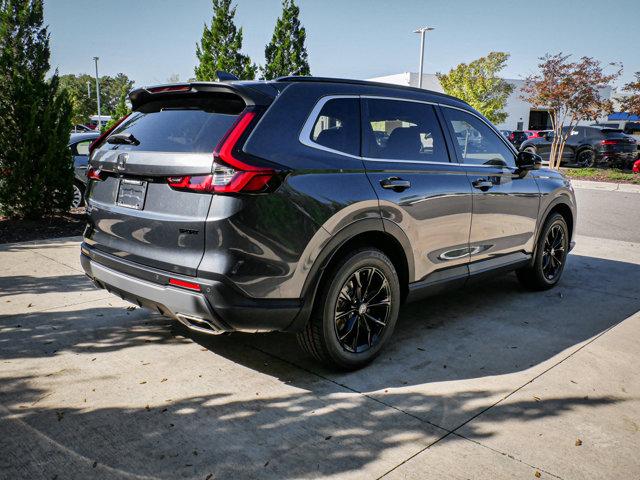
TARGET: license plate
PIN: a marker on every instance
(131, 193)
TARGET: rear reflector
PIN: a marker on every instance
(182, 284)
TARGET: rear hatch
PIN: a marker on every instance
(615, 141)
(139, 206)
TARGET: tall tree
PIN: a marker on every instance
(572, 92)
(286, 53)
(477, 84)
(219, 49)
(35, 117)
(631, 102)
(122, 108)
(83, 99)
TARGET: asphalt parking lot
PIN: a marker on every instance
(489, 382)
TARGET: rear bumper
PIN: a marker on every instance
(218, 308)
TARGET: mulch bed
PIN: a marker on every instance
(63, 225)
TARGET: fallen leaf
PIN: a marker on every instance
(537, 474)
(30, 305)
(60, 415)
(421, 349)
(266, 463)
(95, 464)
(143, 382)
(163, 380)
(147, 408)
(328, 438)
(131, 308)
(578, 442)
(94, 359)
(537, 399)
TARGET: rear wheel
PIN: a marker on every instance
(551, 255)
(78, 196)
(356, 312)
(530, 149)
(585, 158)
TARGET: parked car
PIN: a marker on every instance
(79, 144)
(517, 137)
(636, 167)
(588, 146)
(80, 129)
(628, 127)
(506, 133)
(302, 220)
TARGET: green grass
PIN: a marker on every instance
(602, 175)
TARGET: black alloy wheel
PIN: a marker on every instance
(362, 310)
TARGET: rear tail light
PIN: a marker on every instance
(95, 174)
(230, 174)
(183, 284)
(512, 136)
(98, 141)
(609, 142)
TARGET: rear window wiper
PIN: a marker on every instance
(123, 138)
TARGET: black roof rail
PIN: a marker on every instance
(365, 83)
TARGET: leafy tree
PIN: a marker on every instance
(84, 104)
(571, 92)
(219, 49)
(477, 84)
(35, 117)
(631, 103)
(286, 53)
(121, 110)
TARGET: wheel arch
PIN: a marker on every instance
(381, 234)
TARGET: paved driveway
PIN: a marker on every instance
(491, 382)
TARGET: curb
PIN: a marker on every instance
(606, 186)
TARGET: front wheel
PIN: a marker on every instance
(356, 311)
(550, 257)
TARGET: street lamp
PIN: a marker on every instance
(95, 59)
(422, 31)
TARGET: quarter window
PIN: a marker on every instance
(402, 130)
(82, 148)
(477, 144)
(338, 126)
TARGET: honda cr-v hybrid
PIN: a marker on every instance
(315, 206)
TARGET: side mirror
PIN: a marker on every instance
(526, 161)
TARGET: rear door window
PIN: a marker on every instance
(402, 130)
(337, 126)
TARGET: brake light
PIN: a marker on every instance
(192, 183)
(170, 88)
(512, 136)
(98, 141)
(94, 174)
(183, 284)
(610, 142)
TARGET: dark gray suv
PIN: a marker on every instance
(315, 206)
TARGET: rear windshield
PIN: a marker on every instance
(194, 125)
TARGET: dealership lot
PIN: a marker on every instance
(491, 382)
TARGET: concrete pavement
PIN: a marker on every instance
(489, 382)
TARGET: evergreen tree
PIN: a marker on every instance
(219, 49)
(286, 53)
(35, 117)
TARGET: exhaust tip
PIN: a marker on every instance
(199, 324)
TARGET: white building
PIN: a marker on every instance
(521, 114)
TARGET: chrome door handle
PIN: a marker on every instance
(482, 184)
(395, 183)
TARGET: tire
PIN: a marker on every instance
(341, 333)
(530, 149)
(544, 272)
(78, 195)
(585, 158)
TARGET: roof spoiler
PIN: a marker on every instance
(251, 96)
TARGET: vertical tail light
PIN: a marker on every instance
(230, 174)
(94, 174)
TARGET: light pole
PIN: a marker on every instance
(422, 31)
(95, 59)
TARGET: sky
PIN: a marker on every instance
(150, 40)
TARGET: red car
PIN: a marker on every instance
(636, 166)
(535, 133)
